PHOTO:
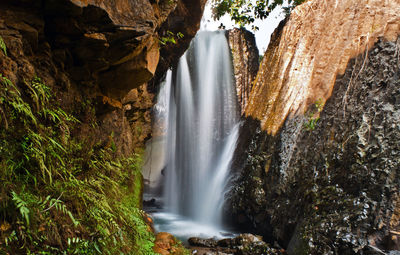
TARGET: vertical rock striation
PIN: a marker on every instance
(245, 62)
(317, 164)
(315, 46)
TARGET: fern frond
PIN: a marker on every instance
(3, 46)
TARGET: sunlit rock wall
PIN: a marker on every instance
(245, 62)
(314, 47)
(317, 165)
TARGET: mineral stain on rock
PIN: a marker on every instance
(333, 187)
(303, 60)
(317, 162)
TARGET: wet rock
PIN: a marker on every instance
(323, 180)
(333, 186)
(201, 242)
(166, 244)
(151, 202)
(227, 242)
(243, 244)
(248, 244)
(247, 239)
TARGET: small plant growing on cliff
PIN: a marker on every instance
(170, 38)
(313, 116)
(3, 46)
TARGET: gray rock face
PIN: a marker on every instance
(329, 184)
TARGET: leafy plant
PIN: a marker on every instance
(61, 195)
(59, 206)
(3, 46)
(245, 12)
(313, 115)
(170, 37)
(22, 206)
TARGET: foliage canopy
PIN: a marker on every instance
(245, 12)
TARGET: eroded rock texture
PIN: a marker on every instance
(317, 163)
(137, 105)
(184, 19)
(92, 54)
(329, 185)
(315, 46)
(245, 62)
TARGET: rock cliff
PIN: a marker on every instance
(245, 62)
(317, 163)
(314, 47)
(74, 116)
(97, 51)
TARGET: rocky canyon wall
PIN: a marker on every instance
(314, 47)
(245, 62)
(74, 116)
(317, 164)
(93, 53)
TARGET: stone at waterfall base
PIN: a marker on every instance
(243, 244)
(167, 244)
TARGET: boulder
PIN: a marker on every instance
(201, 242)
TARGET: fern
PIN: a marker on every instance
(101, 195)
(22, 206)
(15, 100)
(59, 206)
(11, 238)
(3, 46)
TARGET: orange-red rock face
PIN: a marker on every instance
(301, 65)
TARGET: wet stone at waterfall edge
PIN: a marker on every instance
(243, 244)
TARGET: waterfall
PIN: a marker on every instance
(202, 129)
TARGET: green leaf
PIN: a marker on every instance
(3, 46)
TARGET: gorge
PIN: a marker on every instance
(300, 149)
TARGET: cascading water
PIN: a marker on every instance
(202, 129)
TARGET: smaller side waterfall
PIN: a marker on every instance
(198, 103)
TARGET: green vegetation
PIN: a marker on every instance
(313, 115)
(170, 37)
(59, 195)
(3, 46)
(245, 12)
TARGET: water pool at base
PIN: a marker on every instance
(184, 228)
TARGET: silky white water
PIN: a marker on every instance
(198, 102)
